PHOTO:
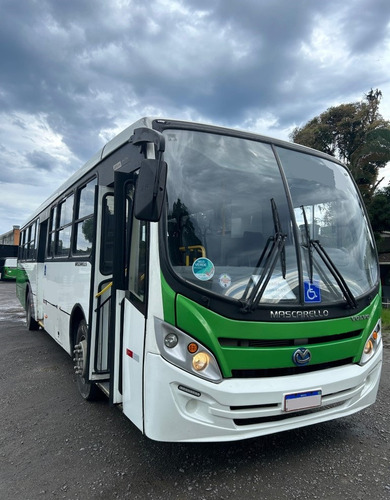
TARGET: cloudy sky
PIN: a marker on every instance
(76, 72)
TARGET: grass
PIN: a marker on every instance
(386, 319)
(386, 327)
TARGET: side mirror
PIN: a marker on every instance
(150, 190)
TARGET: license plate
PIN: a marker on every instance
(302, 400)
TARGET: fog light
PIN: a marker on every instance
(200, 361)
(171, 340)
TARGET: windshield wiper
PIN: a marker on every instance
(311, 243)
(272, 250)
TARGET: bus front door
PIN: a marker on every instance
(100, 317)
(134, 324)
(133, 356)
(128, 311)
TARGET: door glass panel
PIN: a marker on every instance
(107, 239)
(138, 253)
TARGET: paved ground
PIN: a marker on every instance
(54, 445)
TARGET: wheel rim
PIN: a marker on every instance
(80, 357)
(80, 352)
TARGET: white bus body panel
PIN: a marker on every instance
(212, 411)
(64, 285)
(133, 361)
(139, 336)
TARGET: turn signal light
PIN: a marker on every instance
(192, 347)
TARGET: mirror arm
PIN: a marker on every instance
(151, 183)
(144, 135)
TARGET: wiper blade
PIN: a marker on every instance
(272, 250)
(278, 231)
(311, 243)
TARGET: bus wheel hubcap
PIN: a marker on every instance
(79, 352)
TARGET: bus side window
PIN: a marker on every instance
(85, 220)
(20, 249)
(52, 227)
(62, 247)
(32, 243)
(28, 242)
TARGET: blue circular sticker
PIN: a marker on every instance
(203, 269)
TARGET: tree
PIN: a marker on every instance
(356, 134)
(379, 210)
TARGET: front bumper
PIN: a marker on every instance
(183, 407)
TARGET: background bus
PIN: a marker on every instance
(9, 269)
(217, 284)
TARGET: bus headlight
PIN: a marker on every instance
(372, 344)
(186, 353)
(200, 361)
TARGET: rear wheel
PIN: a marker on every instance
(31, 323)
(88, 390)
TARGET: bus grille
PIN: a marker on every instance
(293, 370)
(231, 342)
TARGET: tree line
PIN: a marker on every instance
(358, 135)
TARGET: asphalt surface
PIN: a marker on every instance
(55, 445)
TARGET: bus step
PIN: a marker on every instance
(104, 387)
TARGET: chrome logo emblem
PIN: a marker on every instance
(301, 356)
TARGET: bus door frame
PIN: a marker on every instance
(128, 334)
(100, 297)
(128, 326)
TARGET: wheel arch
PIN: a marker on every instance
(27, 290)
(76, 316)
(29, 307)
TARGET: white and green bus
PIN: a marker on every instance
(216, 284)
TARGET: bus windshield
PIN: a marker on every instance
(264, 224)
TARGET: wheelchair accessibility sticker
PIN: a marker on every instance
(312, 292)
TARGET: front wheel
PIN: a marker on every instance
(88, 390)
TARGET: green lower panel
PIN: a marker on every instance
(209, 328)
(276, 357)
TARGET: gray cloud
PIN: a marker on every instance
(85, 67)
(366, 25)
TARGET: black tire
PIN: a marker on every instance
(88, 390)
(31, 323)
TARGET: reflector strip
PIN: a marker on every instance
(132, 354)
